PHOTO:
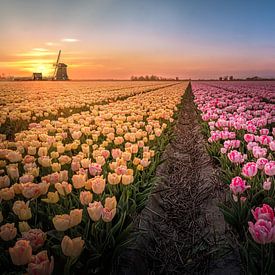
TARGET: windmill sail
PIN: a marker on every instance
(60, 70)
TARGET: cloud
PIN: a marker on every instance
(36, 53)
(40, 49)
(69, 40)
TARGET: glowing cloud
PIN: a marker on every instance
(36, 53)
(69, 40)
(40, 49)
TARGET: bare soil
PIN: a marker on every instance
(181, 230)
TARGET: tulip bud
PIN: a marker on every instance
(75, 217)
(86, 197)
(127, 179)
(61, 222)
(98, 185)
(21, 253)
(72, 247)
(114, 178)
(40, 264)
(108, 215)
(22, 210)
(8, 232)
(79, 181)
(267, 185)
(110, 203)
(7, 193)
(23, 227)
(95, 210)
(52, 197)
(36, 237)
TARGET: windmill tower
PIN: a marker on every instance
(60, 70)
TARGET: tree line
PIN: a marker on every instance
(152, 78)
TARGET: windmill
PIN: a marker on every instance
(60, 70)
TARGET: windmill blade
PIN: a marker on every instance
(58, 57)
(56, 65)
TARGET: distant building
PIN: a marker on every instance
(37, 76)
(61, 73)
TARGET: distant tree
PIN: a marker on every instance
(231, 77)
(220, 78)
(133, 78)
(152, 78)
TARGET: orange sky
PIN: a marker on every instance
(100, 63)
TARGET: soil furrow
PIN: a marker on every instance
(184, 231)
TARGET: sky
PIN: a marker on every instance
(119, 38)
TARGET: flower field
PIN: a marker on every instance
(78, 163)
(239, 121)
(33, 102)
(79, 170)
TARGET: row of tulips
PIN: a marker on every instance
(70, 188)
(239, 126)
(23, 103)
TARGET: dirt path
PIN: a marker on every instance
(183, 230)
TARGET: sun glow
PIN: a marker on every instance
(45, 69)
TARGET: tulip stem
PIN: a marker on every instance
(36, 210)
(67, 266)
(262, 259)
(87, 229)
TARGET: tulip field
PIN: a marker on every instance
(33, 102)
(238, 119)
(77, 163)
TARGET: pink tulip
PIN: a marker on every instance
(265, 140)
(265, 213)
(108, 215)
(238, 185)
(272, 145)
(75, 165)
(262, 231)
(251, 128)
(116, 153)
(231, 135)
(250, 145)
(40, 264)
(95, 169)
(228, 144)
(235, 157)
(267, 185)
(259, 152)
(269, 168)
(121, 170)
(264, 132)
(250, 169)
(248, 137)
(36, 237)
(261, 162)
